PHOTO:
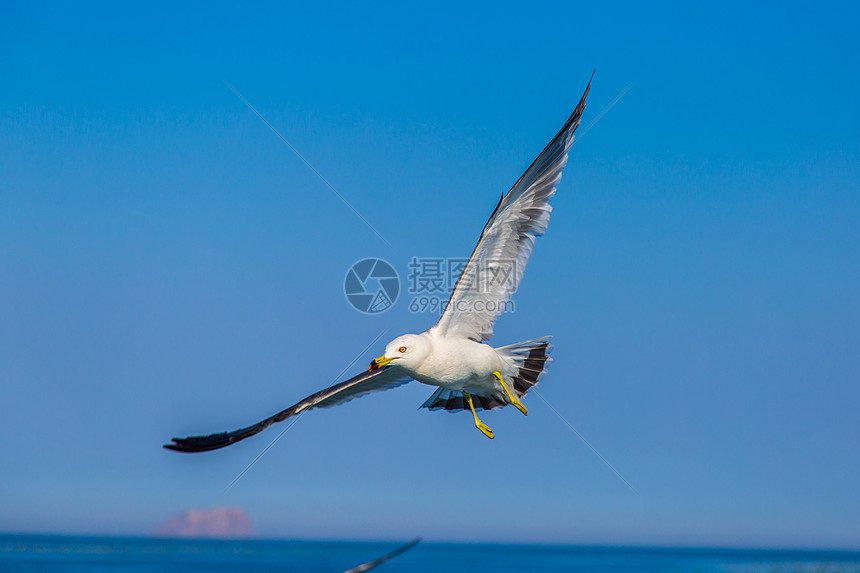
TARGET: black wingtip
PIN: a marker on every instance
(197, 444)
(588, 86)
(176, 446)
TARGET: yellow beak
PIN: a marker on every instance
(380, 362)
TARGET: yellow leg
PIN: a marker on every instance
(478, 423)
(511, 397)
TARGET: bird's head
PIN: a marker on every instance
(407, 352)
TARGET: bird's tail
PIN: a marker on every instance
(529, 361)
(454, 401)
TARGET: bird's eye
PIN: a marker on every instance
(402, 349)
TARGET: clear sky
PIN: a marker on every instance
(168, 267)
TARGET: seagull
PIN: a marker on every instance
(453, 355)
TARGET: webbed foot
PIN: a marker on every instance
(511, 397)
(478, 423)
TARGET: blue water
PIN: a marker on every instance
(28, 554)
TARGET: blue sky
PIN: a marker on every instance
(168, 266)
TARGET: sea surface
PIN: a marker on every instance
(27, 554)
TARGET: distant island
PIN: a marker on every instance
(215, 522)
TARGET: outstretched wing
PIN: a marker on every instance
(496, 266)
(364, 383)
(388, 556)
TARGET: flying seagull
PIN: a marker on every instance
(453, 355)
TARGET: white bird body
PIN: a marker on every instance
(456, 364)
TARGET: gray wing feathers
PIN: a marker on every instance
(388, 556)
(364, 383)
(498, 261)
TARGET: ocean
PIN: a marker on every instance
(27, 553)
